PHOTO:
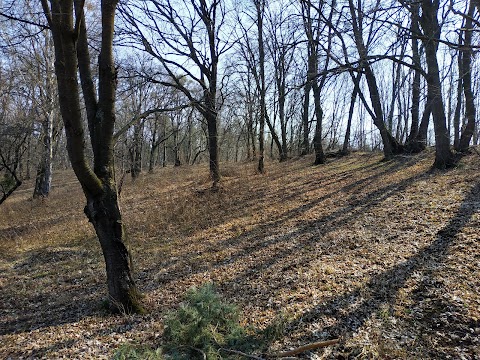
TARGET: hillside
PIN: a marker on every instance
(384, 255)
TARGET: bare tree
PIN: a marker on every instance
(16, 114)
(281, 46)
(466, 75)
(431, 31)
(315, 27)
(13, 145)
(260, 14)
(416, 139)
(390, 144)
(190, 31)
(66, 20)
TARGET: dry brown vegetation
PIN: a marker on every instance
(384, 255)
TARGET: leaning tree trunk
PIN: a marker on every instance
(429, 22)
(390, 145)
(353, 98)
(275, 139)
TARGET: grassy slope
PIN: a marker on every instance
(383, 254)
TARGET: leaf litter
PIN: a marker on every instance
(383, 255)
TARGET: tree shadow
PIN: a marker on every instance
(49, 288)
(354, 308)
(271, 233)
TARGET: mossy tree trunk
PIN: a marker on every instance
(67, 23)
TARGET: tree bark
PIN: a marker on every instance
(458, 108)
(419, 143)
(211, 119)
(317, 139)
(429, 22)
(102, 207)
(346, 141)
(275, 139)
(306, 118)
(43, 180)
(104, 214)
(260, 7)
(136, 150)
(391, 146)
(466, 76)
(415, 110)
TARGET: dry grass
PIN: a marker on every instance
(385, 255)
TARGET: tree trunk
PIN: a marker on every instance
(104, 214)
(466, 76)
(136, 150)
(282, 147)
(317, 140)
(458, 108)
(419, 143)
(390, 144)
(43, 179)
(306, 119)
(44, 173)
(72, 58)
(153, 145)
(429, 22)
(275, 139)
(346, 141)
(213, 147)
(260, 6)
(7, 192)
(415, 111)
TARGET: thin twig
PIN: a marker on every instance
(241, 354)
(307, 347)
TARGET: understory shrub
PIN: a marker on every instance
(205, 326)
(202, 325)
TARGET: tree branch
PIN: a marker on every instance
(143, 116)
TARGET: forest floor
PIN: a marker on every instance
(383, 255)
